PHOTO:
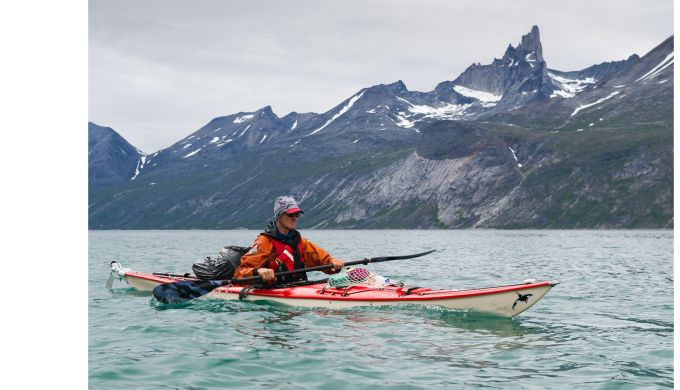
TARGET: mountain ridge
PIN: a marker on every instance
(222, 176)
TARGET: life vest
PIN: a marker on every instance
(287, 258)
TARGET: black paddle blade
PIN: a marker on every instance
(411, 256)
(390, 258)
(186, 290)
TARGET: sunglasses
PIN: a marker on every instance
(294, 215)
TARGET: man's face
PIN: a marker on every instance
(289, 220)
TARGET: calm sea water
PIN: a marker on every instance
(609, 324)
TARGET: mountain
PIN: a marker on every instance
(637, 95)
(511, 144)
(111, 159)
(517, 78)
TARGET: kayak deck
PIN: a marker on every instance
(506, 301)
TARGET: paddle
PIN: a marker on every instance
(185, 290)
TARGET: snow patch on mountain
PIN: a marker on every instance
(244, 130)
(339, 113)
(192, 153)
(595, 103)
(446, 111)
(402, 121)
(657, 69)
(487, 99)
(224, 142)
(243, 118)
(140, 166)
(519, 165)
(568, 88)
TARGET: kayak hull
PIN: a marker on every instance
(492, 301)
(505, 301)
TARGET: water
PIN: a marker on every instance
(608, 325)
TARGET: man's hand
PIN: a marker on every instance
(267, 274)
(337, 264)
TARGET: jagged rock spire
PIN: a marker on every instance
(531, 43)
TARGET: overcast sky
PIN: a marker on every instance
(161, 69)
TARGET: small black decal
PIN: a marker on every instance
(521, 298)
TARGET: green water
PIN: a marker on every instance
(609, 324)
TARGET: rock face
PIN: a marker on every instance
(511, 144)
(504, 178)
(111, 159)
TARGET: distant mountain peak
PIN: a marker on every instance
(528, 50)
(111, 159)
(399, 85)
(532, 41)
(266, 111)
(393, 88)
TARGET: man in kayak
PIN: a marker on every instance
(281, 248)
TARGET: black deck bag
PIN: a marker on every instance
(222, 266)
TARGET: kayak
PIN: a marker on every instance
(505, 301)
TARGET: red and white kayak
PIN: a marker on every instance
(506, 301)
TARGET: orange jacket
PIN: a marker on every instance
(263, 251)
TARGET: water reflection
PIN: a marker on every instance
(482, 323)
(129, 291)
(277, 314)
(211, 306)
(276, 328)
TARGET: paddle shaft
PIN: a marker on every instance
(328, 266)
